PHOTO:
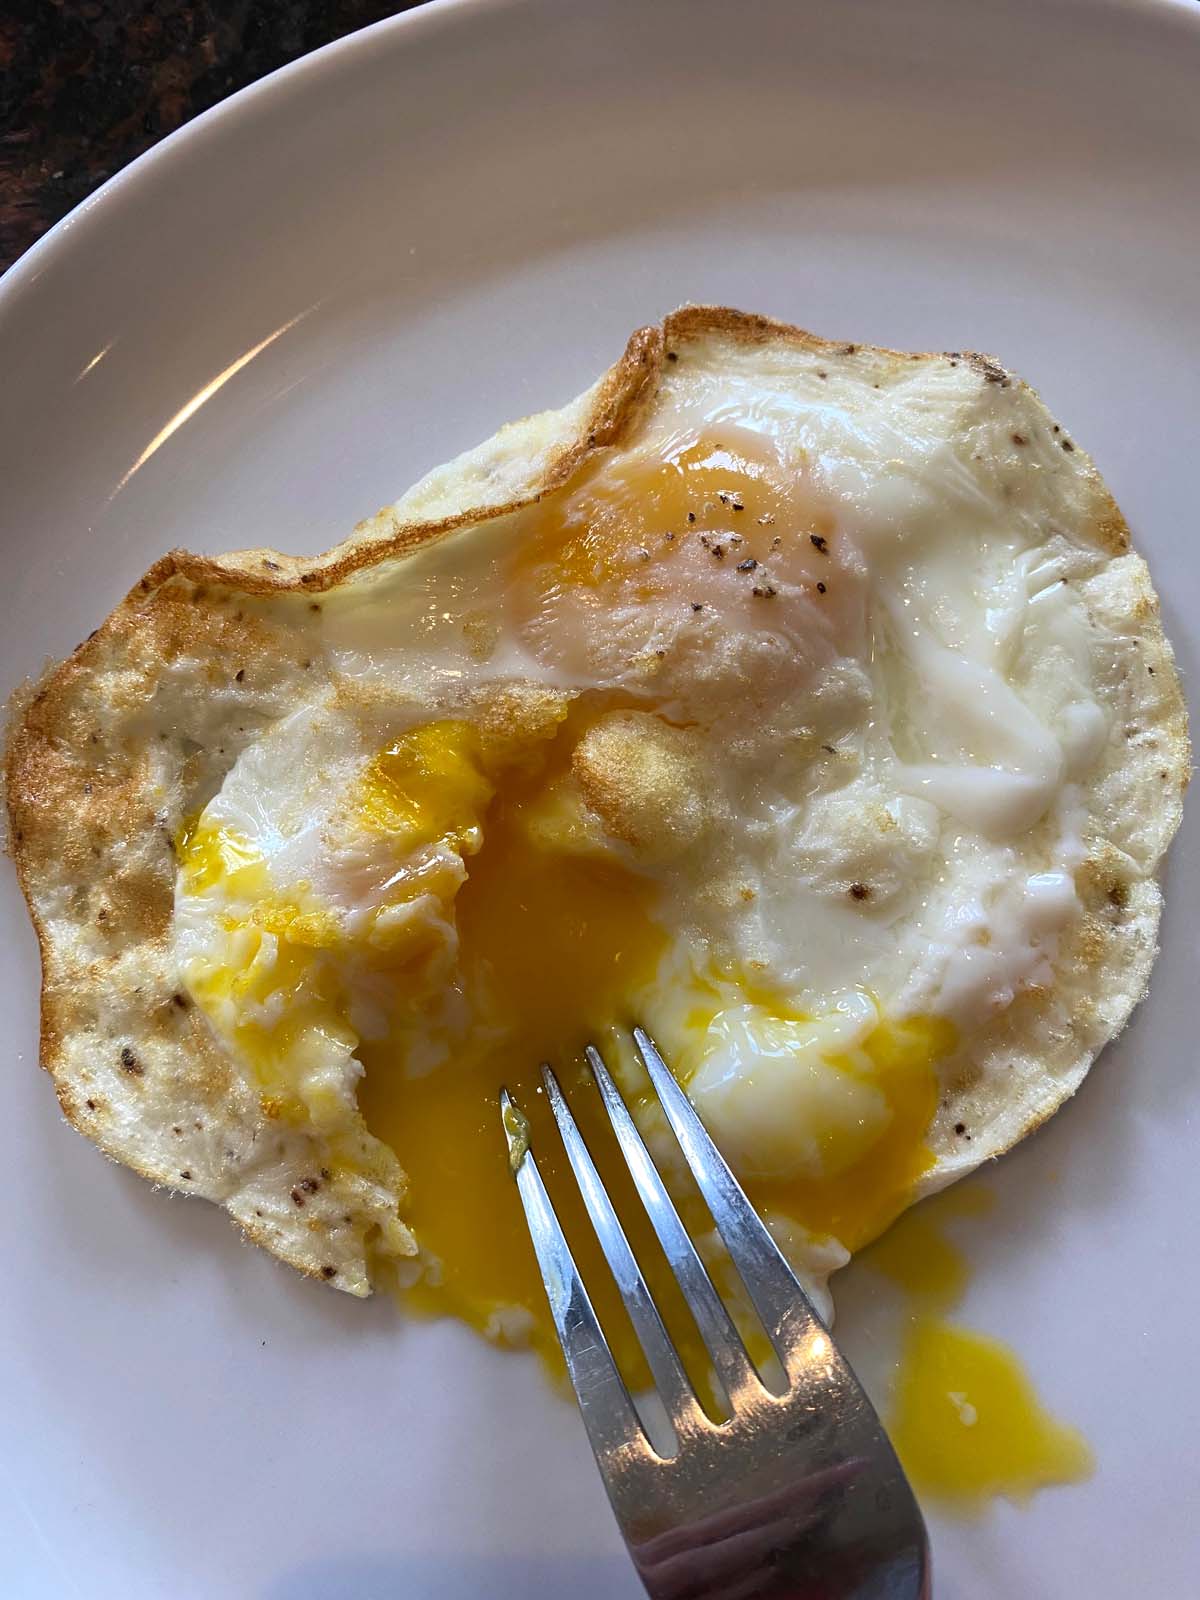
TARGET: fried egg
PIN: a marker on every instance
(803, 702)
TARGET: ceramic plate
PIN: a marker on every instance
(267, 328)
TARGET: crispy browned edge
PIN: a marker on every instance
(619, 398)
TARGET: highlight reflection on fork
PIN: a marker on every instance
(798, 1494)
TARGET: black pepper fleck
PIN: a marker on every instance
(697, 605)
(186, 1173)
(691, 516)
(859, 891)
(819, 542)
(820, 588)
(130, 1062)
(329, 1272)
(240, 675)
(960, 1128)
(748, 565)
(1067, 445)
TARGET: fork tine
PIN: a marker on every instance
(608, 1413)
(672, 1382)
(714, 1322)
(778, 1297)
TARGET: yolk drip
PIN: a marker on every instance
(966, 1420)
(857, 1202)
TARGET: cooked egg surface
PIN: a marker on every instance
(768, 731)
(800, 701)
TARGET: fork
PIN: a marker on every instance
(798, 1495)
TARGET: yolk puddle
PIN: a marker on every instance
(968, 1424)
(966, 1420)
(554, 945)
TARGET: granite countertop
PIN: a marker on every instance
(87, 85)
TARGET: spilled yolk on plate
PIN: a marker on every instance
(966, 1420)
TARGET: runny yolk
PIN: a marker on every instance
(857, 1202)
(558, 945)
(554, 948)
(966, 1420)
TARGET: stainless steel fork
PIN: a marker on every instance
(798, 1495)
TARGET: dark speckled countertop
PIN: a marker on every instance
(87, 85)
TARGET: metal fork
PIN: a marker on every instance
(798, 1495)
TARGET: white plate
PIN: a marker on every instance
(441, 223)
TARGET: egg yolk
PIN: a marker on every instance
(627, 524)
(427, 786)
(553, 951)
(965, 1418)
(867, 1168)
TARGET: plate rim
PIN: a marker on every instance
(254, 97)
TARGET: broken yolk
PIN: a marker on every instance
(966, 1420)
(559, 944)
(555, 942)
(554, 948)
